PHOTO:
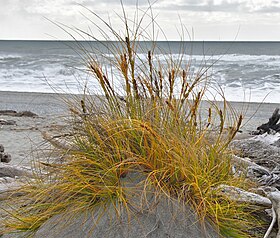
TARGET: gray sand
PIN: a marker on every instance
(23, 140)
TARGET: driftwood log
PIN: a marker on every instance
(7, 122)
(58, 141)
(272, 126)
(274, 196)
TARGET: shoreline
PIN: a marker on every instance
(54, 104)
(77, 94)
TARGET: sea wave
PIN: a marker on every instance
(8, 57)
(238, 74)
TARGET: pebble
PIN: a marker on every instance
(4, 157)
(1, 148)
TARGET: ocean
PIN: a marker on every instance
(245, 71)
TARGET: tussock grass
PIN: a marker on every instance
(152, 126)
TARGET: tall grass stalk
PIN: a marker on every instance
(151, 126)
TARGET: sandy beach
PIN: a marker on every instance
(24, 140)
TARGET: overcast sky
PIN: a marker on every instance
(209, 19)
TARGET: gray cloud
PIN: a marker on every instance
(224, 6)
(208, 6)
(93, 3)
(268, 9)
(28, 15)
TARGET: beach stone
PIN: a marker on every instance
(13, 171)
(17, 114)
(26, 114)
(5, 158)
(1, 148)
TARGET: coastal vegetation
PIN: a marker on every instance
(147, 121)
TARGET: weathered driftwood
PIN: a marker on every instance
(264, 177)
(6, 180)
(7, 122)
(274, 196)
(247, 167)
(240, 195)
(272, 200)
(256, 172)
(243, 162)
(261, 149)
(274, 218)
(271, 126)
(58, 141)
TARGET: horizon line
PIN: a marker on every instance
(170, 41)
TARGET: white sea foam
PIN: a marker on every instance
(4, 57)
(241, 76)
(216, 58)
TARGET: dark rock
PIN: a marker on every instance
(26, 114)
(1, 148)
(17, 114)
(12, 171)
(272, 126)
(7, 112)
(7, 122)
(5, 158)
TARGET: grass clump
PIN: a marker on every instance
(147, 120)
